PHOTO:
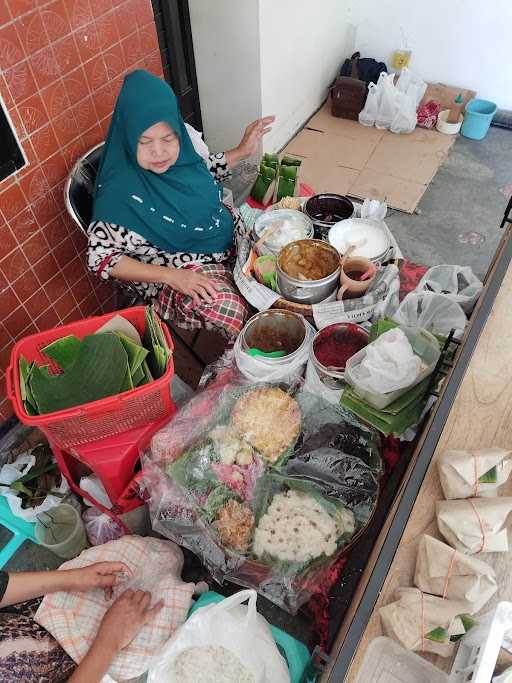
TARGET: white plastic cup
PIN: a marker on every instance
(62, 531)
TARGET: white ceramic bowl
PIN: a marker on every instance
(370, 238)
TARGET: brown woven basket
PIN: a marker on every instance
(306, 309)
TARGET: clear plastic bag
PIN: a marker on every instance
(213, 631)
(370, 110)
(410, 83)
(100, 527)
(210, 471)
(458, 283)
(405, 118)
(387, 102)
(436, 313)
(374, 210)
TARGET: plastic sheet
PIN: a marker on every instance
(214, 470)
(100, 527)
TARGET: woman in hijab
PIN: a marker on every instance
(158, 217)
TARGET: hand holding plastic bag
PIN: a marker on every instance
(210, 632)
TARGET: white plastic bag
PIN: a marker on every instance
(12, 472)
(373, 209)
(232, 626)
(389, 364)
(199, 144)
(94, 487)
(405, 118)
(436, 313)
(411, 83)
(387, 102)
(259, 369)
(370, 110)
(458, 283)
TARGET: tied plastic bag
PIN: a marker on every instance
(368, 114)
(389, 364)
(209, 486)
(100, 527)
(231, 642)
(436, 313)
(374, 210)
(477, 473)
(475, 525)
(458, 283)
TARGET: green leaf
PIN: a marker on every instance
(136, 353)
(489, 477)
(127, 382)
(98, 372)
(63, 351)
(138, 377)
(439, 635)
(154, 340)
(290, 161)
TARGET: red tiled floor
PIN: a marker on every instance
(44, 142)
(65, 305)
(37, 303)
(17, 321)
(48, 320)
(14, 265)
(55, 98)
(20, 81)
(31, 32)
(26, 285)
(66, 128)
(56, 286)
(24, 225)
(44, 67)
(46, 268)
(55, 169)
(76, 85)
(33, 113)
(108, 33)
(66, 54)
(11, 49)
(87, 40)
(55, 20)
(12, 201)
(79, 12)
(36, 247)
(85, 114)
(34, 185)
(9, 302)
(7, 241)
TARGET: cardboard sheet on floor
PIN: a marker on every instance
(398, 193)
(327, 177)
(414, 157)
(351, 152)
(325, 122)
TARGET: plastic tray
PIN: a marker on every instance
(424, 344)
(98, 419)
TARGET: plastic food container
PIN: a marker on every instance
(327, 209)
(424, 345)
(448, 128)
(369, 237)
(349, 337)
(300, 228)
(98, 419)
(62, 531)
(386, 661)
(308, 291)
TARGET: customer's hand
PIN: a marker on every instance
(194, 284)
(99, 575)
(129, 613)
(252, 136)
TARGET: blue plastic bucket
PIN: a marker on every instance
(477, 118)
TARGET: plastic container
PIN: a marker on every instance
(478, 118)
(369, 237)
(479, 649)
(275, 243)
(424, 344)
(333, 376)
(386, 661)
(98, 419)
(448, 128)
(326, 209)
(296, 653)
(273, 330)
(62, 531)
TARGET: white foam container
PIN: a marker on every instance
(424, 345)
(448, 128)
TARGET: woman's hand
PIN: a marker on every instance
(99, 575)
(194, 284)
(129, 613)
(250, 140)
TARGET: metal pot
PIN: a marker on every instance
(308, 291)
(327, 203)
(269, 219)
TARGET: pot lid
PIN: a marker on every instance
(369, 237)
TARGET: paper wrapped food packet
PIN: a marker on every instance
(442, 570)
(425, 623)
(474, 474)
(474, 525)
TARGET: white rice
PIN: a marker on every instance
(209, 664)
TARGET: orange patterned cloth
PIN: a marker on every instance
(73, 619)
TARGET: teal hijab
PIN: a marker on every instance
(179, 210)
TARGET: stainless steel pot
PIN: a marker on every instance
(335, 206)
(308, 291)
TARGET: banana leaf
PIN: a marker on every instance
(271, 160)
(26, 392)
(264, 184)
(290, 161)
(155, 342)
(63, 351)
(136, 353)
(98, 371)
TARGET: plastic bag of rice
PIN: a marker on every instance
(208, 664)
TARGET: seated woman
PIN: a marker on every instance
(158, 218)
(29, 654)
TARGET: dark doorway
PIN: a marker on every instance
(175, 36)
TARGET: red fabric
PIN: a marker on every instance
(410, 275)
(104, 264)
(428, 113)
(304, 191)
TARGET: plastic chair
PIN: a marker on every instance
(22, 531)
(79, 188)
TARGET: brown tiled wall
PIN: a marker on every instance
(61, 67)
